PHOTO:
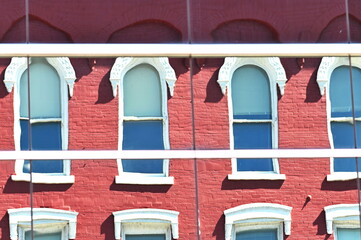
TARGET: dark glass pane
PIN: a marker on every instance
(143, 135)
(267, 234)
(145, 237)
(45, 136)
(253, 136)
(343, 137)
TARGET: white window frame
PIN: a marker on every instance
(46, 220)
(327, 66)
(67, 78)
(255, 216)
(166, 75)
(146, 221)
(341, 216)
(276, 76)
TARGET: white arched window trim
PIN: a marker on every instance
(277, 76)
(258, 216)
(342, 215)
(162, 221)
(45, 219)
(327, 66)
(166, 75)
(67, 77)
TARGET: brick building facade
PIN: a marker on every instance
(198, 117)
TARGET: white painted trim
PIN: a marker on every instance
(44, 179)
(144, 215)
(256, 176)
(138, 179)
(67, 77)
(271, 65)
(123, 64)
(166, 74)
(257, 213)
(276, 75)
(184, 50)
(19, 216)
(327, 66)
(341, 214)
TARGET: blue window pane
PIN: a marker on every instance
(143, 135)
(253, 136)
(43, 236)
(142, 92)
(343, 137)
(145, 237)
(45, 136)
(348, 234)
(267, 234)
(250, 92)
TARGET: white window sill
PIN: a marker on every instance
(142, 180)
(256, 176)
(342, 176)
(43, 178)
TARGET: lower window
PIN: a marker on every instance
(348, 234)
(146, 237)
(262, 234)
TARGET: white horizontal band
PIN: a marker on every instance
(181, 154)
(179, 50)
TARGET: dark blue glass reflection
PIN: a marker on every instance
(253, 136)
(267, 234)
(45, 136)
(143, 135)
(145, 237)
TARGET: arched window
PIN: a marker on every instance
(266, 221)
(334, 75)
(47, 118)
(252, 99)
(143, 116)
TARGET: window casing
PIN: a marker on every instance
(265, 220)
(252, 98)
(147, 223)
(49, 114)
(342, 220)
(48, 223)
(334, 76)
(143, 121)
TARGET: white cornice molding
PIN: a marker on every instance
(271, 65)
(143, 214)
(19, 64)
(340, 212)
(328, 64)
(257, 211)
(21, 215)
(123, 64)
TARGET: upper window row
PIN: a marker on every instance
(143, 113)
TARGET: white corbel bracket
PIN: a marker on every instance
(347, 213)
(254, 211)
(145, 215)
(123, 64)
(19, 64)
(328, 64)
(22, 215)
(271, 65)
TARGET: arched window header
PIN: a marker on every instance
(146, 214)
(341, 212)
(257, 211)
(19, 64)
(123, 64)
(21, 215)
(271, 65)
(328, 64)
